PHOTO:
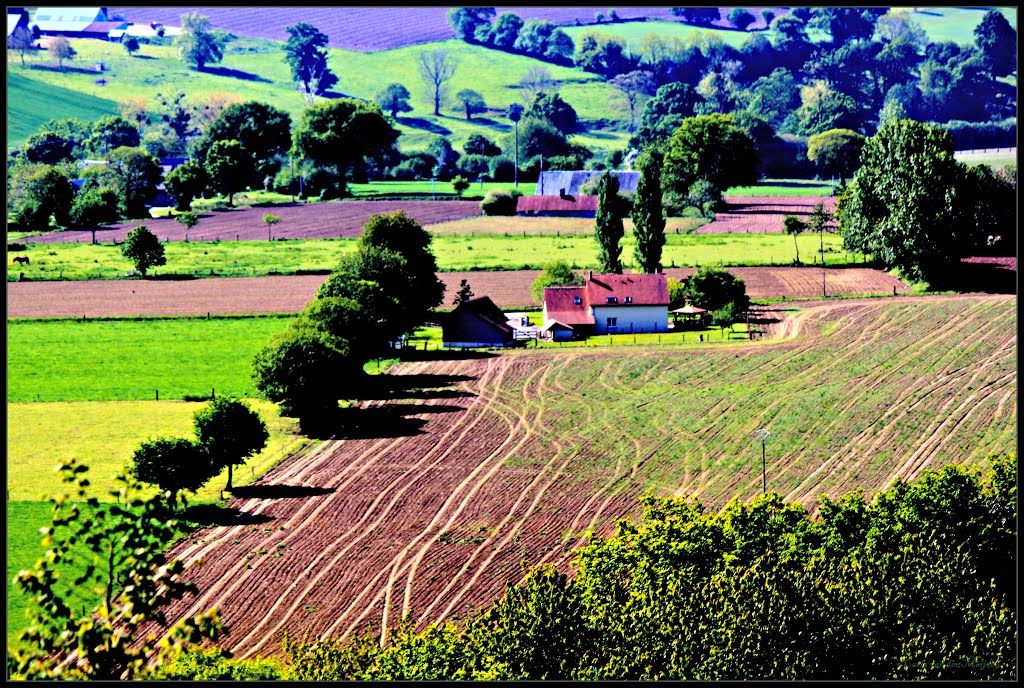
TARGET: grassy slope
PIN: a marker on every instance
(31, 104)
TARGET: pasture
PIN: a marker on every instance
(134, 360)
(456, 250)
(30, 104)
(432, 503)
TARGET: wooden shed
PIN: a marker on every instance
(477, 323)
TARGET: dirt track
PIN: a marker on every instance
(290, 294)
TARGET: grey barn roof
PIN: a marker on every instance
(550, 183)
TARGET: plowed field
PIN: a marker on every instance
(300, 221)
(290, 294)
(761, 214)
(433, 499)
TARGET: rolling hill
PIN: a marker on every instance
(31, 103)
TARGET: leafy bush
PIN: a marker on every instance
(500, 202)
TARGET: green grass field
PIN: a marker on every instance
(784, 187)
(634, 32)
(30, 104)
(993, 160)
(956, 24)
(458, 246)
(121, 360)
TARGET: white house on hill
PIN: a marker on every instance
(610, 304)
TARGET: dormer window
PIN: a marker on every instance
(611, 299)
(629, 299)
(577, 300)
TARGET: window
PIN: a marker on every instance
(611, 299)
(612, 322)
(577, 300)
(629, 299)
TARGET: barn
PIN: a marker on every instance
(75, 22)
(17, 18)
(477, 323)
(610, 304)
(557, 206)
(569, 183)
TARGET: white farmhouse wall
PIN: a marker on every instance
(630, 319)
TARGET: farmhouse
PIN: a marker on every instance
(75, 22)
(569, 183)
(476, 323)
(557, 206)
(609, 304)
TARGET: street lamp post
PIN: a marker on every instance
(763, 435)
(515, 113)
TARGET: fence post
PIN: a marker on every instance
(157, 395)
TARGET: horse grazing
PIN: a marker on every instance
(22, 259)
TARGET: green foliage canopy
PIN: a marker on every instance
(709, 147)
(143, 248)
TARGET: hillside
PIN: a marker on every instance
(31, 103)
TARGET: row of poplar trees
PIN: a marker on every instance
(647, 215)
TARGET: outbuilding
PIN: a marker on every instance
(477, 323)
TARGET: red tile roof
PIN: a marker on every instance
(641, 290)
(549, 204)
(561, 305)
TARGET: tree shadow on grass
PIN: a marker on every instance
(235, 74)
(986, 278)
(426, 125)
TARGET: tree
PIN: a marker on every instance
(837, 151)
(188, 220)
(144, 250)
(630, 88)
(131, 46)
(608, 230)
(711, 289)
(647, 214)
(134, 175)
(342, 134)
(49, 148)
(35, 193)
(844, 24)
(725, 316)
(60, 48)
(902, 204)
(478, 144)
(470, 22)
(447, 157)
(112, 132)
(22, 41)
(230, 432)
(506, 30)
(394, 98)
(471, 101)
(198, 43)
(556, 273)
(552, 108)
(896, 25)
(602, 53)
(709, 147)
(741, 18)
(703, 195)
(534, 36)
(304, 371)
(270, 220)
(418, 289)
(174, 464)
(226, 163)
(436, 69)
(306, 55)
(186, 182)
(464, 294)
(662, 114)
(93, 207)
(459, 184)
(997, 40)
(794, 226)
(263, 132)
(823, 108)
(119, 550)
(819, 220)
(774, 97)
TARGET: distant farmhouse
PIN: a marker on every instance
(569, 183)
(608, 304)
(75, 22)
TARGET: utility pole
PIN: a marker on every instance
(763, 434)
(515, 113)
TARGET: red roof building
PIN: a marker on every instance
(557, 206)
(609, 304)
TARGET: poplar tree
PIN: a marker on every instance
(609, 231)
(647, 214)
